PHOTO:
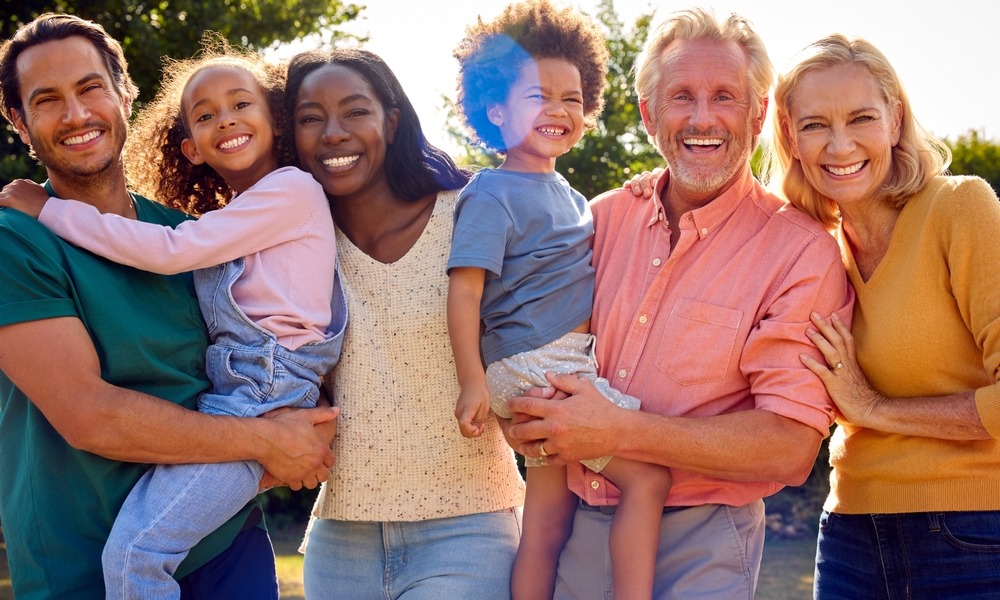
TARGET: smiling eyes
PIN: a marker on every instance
(308, 119)
(541, 98)
(863, 119)
(87, 89)
(686, 97)
(241, 105)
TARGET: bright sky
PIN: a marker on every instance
(942, 50)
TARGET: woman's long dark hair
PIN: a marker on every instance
(413, 167)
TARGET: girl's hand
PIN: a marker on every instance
(644, 184)
(847, 385)
(25, 196)
(471, 410)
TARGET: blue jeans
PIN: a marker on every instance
(457, 557)
(937, 556)
(172, 507)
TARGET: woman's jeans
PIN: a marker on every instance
(933, 556)
(470, 556)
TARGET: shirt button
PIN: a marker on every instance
(704, 231)
(595, 484)
(643, 319)
(656, 262)
(262, 362)
(622, 373)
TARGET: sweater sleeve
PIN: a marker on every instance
(973, 249)
(278, 208)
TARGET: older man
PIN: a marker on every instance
(703, 300)
(101, 363)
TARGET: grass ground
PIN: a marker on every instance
(786, 572)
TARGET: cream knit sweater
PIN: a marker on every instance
(400, 456)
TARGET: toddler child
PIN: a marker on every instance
(267, 285)
(530, 82)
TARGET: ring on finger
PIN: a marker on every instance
(838, 366)
(541, 450)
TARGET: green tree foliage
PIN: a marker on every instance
(618, 147)
(150, 31)
(469, 154)
(973, 154)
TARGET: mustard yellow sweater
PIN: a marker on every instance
(400, 456)
(927, 323)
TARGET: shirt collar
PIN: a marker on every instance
(707, 218)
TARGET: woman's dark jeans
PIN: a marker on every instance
(933, 556)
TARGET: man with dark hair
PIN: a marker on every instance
(102, 364)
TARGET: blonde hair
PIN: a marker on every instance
(701, 24)
(916, 158)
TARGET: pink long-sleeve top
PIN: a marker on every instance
(281, 225)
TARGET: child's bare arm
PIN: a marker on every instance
(25, 196)
(465, 293)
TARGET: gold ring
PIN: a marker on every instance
(541, 450)
(839, 365)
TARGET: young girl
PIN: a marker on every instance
(530, 82)
(267, 284)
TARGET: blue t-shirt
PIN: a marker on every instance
(531, 232)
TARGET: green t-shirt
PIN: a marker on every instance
(57, 504)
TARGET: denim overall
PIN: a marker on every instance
(173, 506)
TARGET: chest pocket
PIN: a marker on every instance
(698, 342)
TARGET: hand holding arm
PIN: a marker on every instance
(25, 196)
(951, 417)
(465, 292)
(739, 446)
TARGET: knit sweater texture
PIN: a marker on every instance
(927, 323)
(400, 455)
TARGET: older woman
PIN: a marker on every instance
(411, 510)
(914, 505)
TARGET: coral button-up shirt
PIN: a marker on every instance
(715, 325)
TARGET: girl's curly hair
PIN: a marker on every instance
(155, 164)
(491, 57)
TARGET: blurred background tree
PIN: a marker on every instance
(150, 31)
(973, 154)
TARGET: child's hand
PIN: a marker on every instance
(471, 410)
(25, 196)
(644, 184)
